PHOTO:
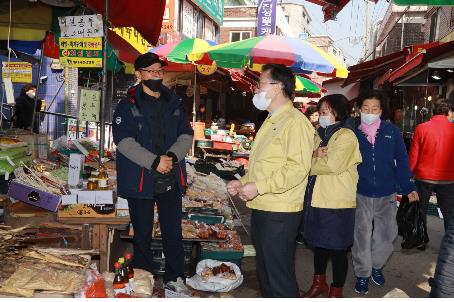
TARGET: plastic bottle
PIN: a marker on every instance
(124, 274)
(118, 285)
(129, 270)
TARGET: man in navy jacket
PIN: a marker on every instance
(153, 135)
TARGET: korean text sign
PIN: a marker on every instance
(86, 26)
(266, 17)
(81, 52)
(89, 105)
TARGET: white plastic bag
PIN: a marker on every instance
(214, 284)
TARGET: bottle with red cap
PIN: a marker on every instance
(124, 274)
(119, 285)
(129, 269)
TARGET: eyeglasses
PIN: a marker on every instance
(153, 71)
(260, 84)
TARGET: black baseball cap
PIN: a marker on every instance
(146, 60)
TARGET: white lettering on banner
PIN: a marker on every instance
(266, 30)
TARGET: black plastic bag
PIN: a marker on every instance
(410, 224)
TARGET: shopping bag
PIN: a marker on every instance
(214, 284)
(410, 224)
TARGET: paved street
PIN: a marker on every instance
(406, 270)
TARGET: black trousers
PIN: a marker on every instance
(445, 199)
(169, 210)
(339, 262)
(273, 235)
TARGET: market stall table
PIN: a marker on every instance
(100, 232)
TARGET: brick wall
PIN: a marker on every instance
(413, 34)
(238, 13)
(445, 22)
(243, 12)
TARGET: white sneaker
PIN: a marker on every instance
(178, 287)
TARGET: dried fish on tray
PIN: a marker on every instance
(30, 277)
(194, 231)
(44, 181)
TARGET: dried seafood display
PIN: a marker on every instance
(233, 243)
(49, 270)
(198, 231)
(41, 180)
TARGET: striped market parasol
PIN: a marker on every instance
(300, 55)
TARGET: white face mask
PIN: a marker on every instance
(31, 94)
(325, 121)
(261, 102)
(369, 118)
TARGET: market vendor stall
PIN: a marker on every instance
(79, 196)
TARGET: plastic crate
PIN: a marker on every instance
(207, 167)
(208, 219)
(159, 261)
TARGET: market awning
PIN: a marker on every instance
(421, 58)
(424, 2)
(28, 22)
(374, 68)
(144, 15)
(335, 86)
(332, 7)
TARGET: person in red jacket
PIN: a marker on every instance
(431, 161)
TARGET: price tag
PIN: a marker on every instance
(237, 176)
(86, 197)
(104, 197)
(68, 199)
(75, 166)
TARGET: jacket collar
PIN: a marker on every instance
(275, 117)
(136, 91)
(439, 117)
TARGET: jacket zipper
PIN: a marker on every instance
(373, 160)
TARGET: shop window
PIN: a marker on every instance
(239, 35)
(433, 27)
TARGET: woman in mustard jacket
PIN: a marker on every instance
(330, 199)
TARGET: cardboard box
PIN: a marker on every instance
(87, 210)
(34, 196)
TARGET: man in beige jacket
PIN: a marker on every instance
(274, 186)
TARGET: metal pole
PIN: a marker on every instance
(40, 70)
(402, 35)
(193, 110)
(104, 82)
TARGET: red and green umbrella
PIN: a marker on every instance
(298, 54)
(425, 2)
(175, 53)
(305, 85)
